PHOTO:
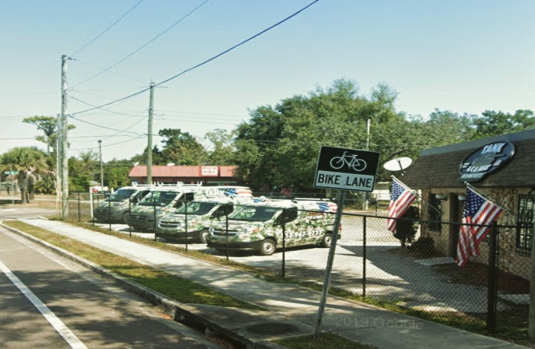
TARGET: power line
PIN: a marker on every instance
(104, 69)
(108, 128)
(106, 110)
(144, 45)
(206, 61)
(109, 145)
(105, 30)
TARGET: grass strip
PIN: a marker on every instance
(513, 331)
(174, 287)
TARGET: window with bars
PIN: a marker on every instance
(524, 235)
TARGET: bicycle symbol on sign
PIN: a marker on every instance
(351, 160)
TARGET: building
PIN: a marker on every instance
(503, 169)
(207, 175)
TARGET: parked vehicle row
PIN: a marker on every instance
(225, 218)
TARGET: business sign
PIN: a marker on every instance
(209, 171)
(347, 169)
(485, 160)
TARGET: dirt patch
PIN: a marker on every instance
(476, 274)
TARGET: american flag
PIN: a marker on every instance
(401, 199)
(327, 206)
(238, 191)
(476, 210)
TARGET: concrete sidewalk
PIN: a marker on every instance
(292, 309)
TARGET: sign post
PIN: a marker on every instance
(344, 169)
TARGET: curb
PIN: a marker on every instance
(179, 312)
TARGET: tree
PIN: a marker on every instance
(495, 123)
(47, 124)
(82, 170)
(22, 158)
(181, 148)
(279, 146)
(221, 148)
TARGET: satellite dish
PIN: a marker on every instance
(397, 164)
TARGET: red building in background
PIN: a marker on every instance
(208, 175)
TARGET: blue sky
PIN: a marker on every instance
(466, 56)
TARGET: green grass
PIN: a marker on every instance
(512, 326)
(179, 289)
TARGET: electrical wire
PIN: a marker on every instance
(108, 128)
(104, 69)
(206, 61)
(106, 110)
(144, 45)
(105, 30)
(109, 145)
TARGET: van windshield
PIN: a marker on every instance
(159, 198)
(122, 195)
(254, 214)
(196, 208)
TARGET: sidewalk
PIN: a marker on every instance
(293, 309)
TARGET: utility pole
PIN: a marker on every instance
(101, 171)
(59, 173)
(149, 141)
(64, 141)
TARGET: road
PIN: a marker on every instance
(50, 302)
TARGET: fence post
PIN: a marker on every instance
(129, 211)
(283, 245)
(492, 298)
(154, 216)
(79, 209)
(185, 203)
(531, 318)
(364, 257)
(109, 209)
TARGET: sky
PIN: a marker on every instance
(466, 56)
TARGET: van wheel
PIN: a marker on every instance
(327, 240)
(203, 236)
(268, 247)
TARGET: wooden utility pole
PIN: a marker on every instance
(149, 140)
(64, 142)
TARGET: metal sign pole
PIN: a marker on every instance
(330, 261)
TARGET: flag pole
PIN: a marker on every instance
(486, 197)
(416, 193)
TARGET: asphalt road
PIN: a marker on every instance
(51, 302)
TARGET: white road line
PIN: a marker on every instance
(58, 325)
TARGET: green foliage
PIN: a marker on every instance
(47, 185)
(21, 158)
(220, 148)
(82, 170)
(181, 148)
(47, 124)
(495, 123)
(116, 176)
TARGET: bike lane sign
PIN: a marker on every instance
(348, 169)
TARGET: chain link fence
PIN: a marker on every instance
(413, 270)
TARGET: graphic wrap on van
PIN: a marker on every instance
(144, 215)
(116, 208)
(258, 226)
(193, 220)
